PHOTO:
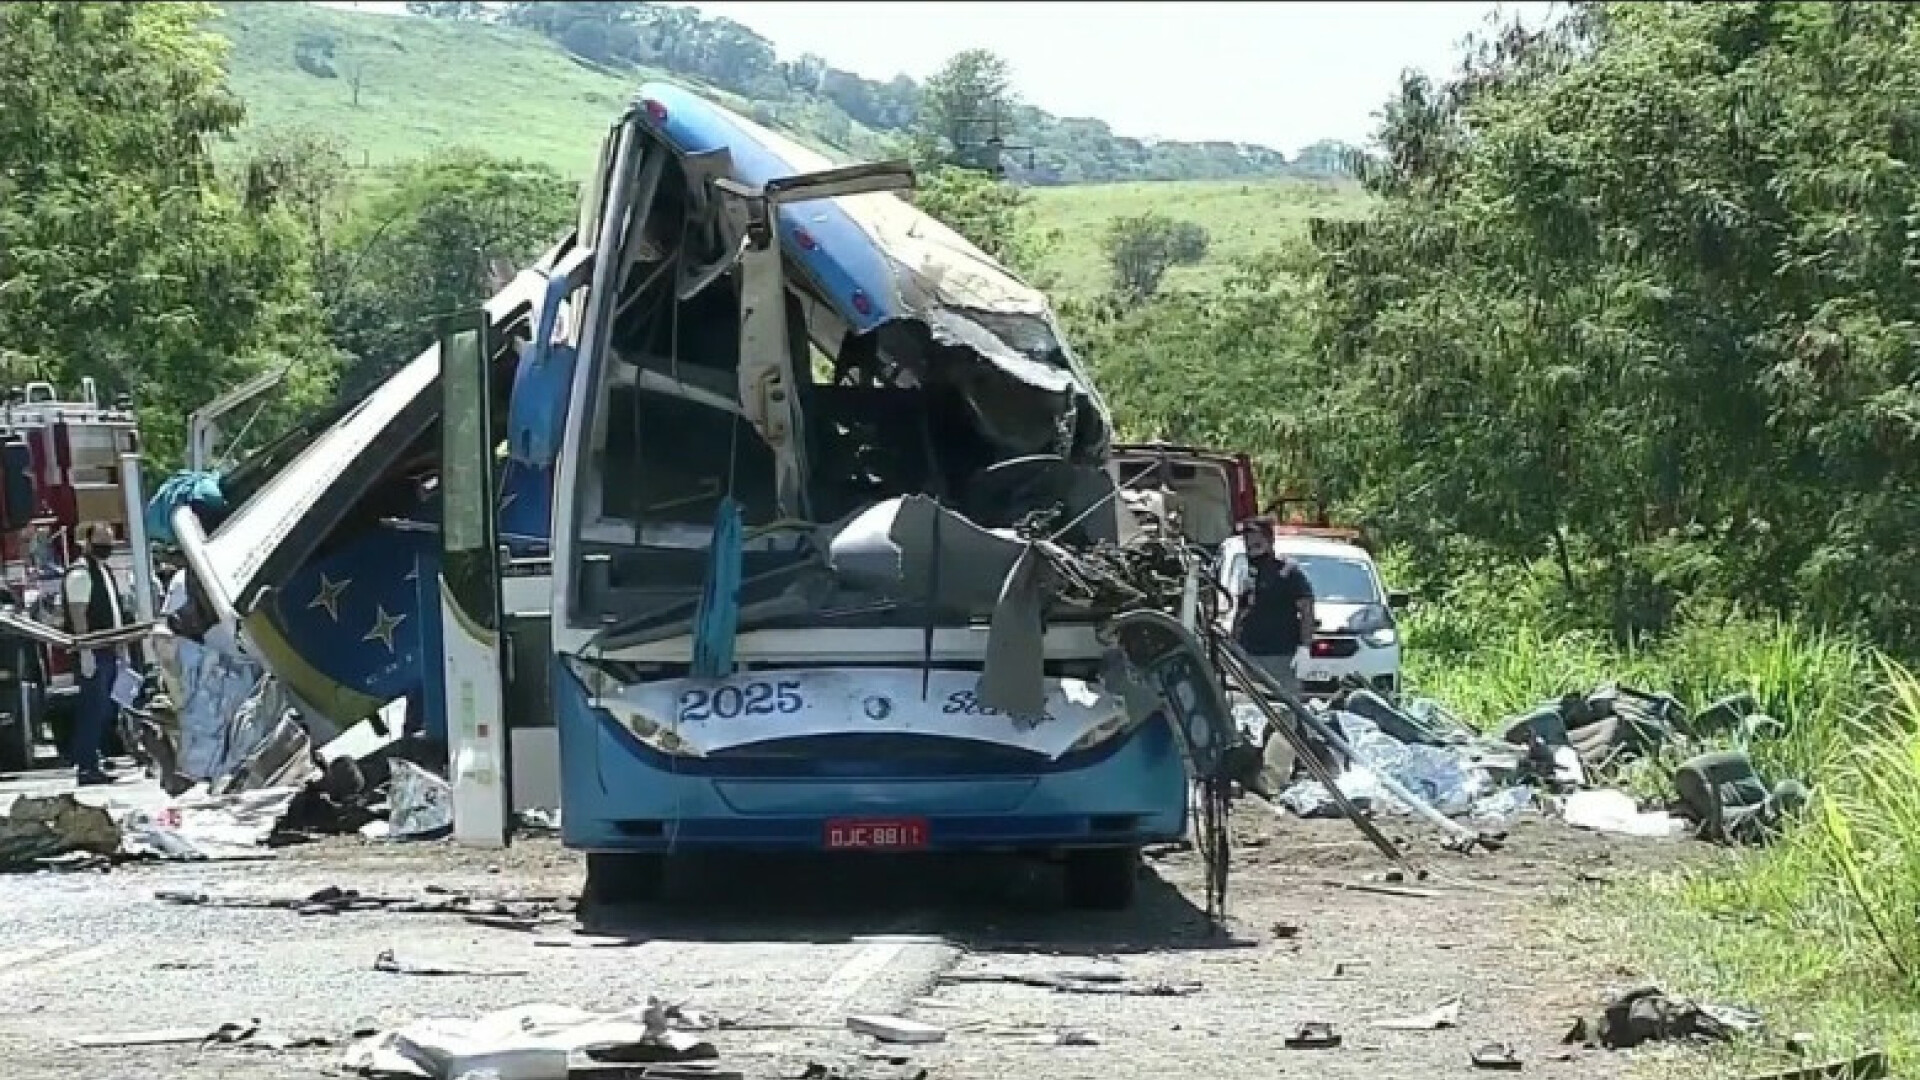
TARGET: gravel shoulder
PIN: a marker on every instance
(786, 950)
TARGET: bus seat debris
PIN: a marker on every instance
(528, 1042)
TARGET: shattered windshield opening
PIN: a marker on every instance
(983, 414)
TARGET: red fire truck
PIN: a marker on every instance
(64, 463)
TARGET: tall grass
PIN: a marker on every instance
(1824, 924)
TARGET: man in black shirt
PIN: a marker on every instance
(1274, 619)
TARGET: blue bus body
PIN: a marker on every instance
(842, 735)
(624, 796)
(856, 721)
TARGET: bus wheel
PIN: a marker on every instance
(1102, 879)
(619, 878)
(16, 743)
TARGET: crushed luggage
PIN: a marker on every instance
(1575, 757)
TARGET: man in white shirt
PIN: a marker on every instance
(93, 604)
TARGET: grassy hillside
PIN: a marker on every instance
(1243, 219)
(429, 83)
(426, 84)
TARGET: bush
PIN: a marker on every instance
(1822, 921)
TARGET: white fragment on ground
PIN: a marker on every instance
(1614, 812)
(208, 827)
(422, 802)
(1073, 1037)
(1441, 1016)
(896, 1029)
(531, 1042)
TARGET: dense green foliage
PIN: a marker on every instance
(1140, 250)
(1638, 296)
(123, 256)
(445, 235)
(1622, 363)
(127, 256)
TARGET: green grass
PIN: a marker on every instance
(1243, 218)
(428, 84)
(1817, 931)
(431, 84)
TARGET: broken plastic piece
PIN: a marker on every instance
(1444, 1015)
(1498, 1056)
(1313, 1035)
(895, 1029)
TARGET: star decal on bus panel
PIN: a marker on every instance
(383, 627)
(327, 597)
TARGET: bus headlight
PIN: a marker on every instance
(1104, 731)
(602, 692)
(651, 732)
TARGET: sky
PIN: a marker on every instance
(1278, 74)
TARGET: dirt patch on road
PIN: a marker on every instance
(1299, 948)
(1305, 949)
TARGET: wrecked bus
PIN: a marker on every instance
(792, 539)
(819, 455)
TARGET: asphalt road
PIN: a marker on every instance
(784, 951)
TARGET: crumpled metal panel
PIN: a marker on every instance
(286, 519)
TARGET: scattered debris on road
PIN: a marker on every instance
(895, 1029)
(1441, 1016)
(225, 1033)
(1496, 1056)
(46, 827)
(1647, 1014)
(1314, 1035)
(1416, 757)
(1074, 1037)
(1078, 983)
(529, 1042)
(392, 964)
(334, 900)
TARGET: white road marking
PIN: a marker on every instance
(877, 951)
(840, 987)
(48, 959)
(13, 961)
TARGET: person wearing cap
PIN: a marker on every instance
(93, 604)
(1273, 620)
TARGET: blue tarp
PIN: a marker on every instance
(200, 490)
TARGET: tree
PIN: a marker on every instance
(1231, 367)
(1638, 293)
(462, 9)
(305, 172)
(427, 246)
(1140, 250)
(356, 77)
(995, 216)
(963, 106)
(124, 255)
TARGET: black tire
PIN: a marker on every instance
(1102, 879)
(616, 879)
(16, 744)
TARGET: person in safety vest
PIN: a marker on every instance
(93, 603)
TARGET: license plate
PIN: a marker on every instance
(876, 834)
(1316, 676)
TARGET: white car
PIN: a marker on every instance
(1354, 631)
